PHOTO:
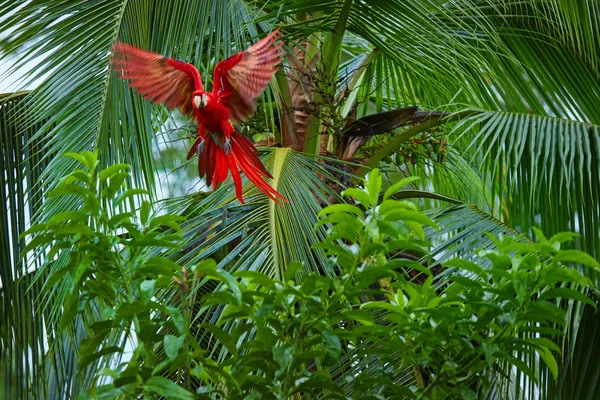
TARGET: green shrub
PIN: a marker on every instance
(369, 332)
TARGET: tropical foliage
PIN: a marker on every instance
(512, 143)
(304, 334)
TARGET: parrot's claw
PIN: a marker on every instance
(227, 146)
(200, 147)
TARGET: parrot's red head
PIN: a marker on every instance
(200, 98)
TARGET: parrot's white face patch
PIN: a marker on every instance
(200, 100)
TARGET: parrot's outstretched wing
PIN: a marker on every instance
(239, 79)
(157, 78)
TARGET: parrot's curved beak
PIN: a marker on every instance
(198, 101)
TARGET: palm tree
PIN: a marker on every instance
(515, 141)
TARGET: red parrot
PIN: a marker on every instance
(237, 83)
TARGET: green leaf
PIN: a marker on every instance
(467, 266)
(109, 172)
(224, 337)
(539, 234)
(115, 183)
(80, 271)
(74, 216)
(341, 208)
(129, 193)
(523, 368)
(398, 185)
(164, 387)
(291, 270)
(207, 266)
(320, 380)
(177, 318)
(283, 354)
(373, 186)
(172, 221)
(389, 205)
(567, 293)
(405, 215)
(364, 317)
(79, 175)
(145, 212)
(101, 289)
(173, 345)
(549, 359)
(544, 343)
(256, 278)
(224, 277)
(578, 257)
(146, 290)
(358, 194)
(416, 228)
(562, 237)
(157, 266)
(126, 311)
(489, 350)
(120, 219)
(104, 392)
(70, 189)
(466, 393)
(83, 363)
(331, 345)
(221, 298)
(37, 242)
(381, 305)
(87, 158)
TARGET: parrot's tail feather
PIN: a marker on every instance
(215, 164)
(248, 152)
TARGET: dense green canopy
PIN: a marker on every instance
(515, 142)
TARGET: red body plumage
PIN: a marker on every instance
(237, 82)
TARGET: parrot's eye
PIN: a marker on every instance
(204, 98)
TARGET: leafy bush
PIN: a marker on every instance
(369, 332)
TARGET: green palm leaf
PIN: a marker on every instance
(268, 236)
(19, 162)
(544, 166)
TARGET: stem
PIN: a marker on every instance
(313, 133)
(129, 293)
(333, 41)
(330, 59)
(420, 194)
(186, 326)
(287, 384)
(428, 388)
(356, 79)
(288, 125)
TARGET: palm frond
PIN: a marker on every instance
(274, 234)
(542, 168)
(545, 171)
(22, 335)
(534, 41)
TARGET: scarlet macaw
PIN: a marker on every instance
(237, 83)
